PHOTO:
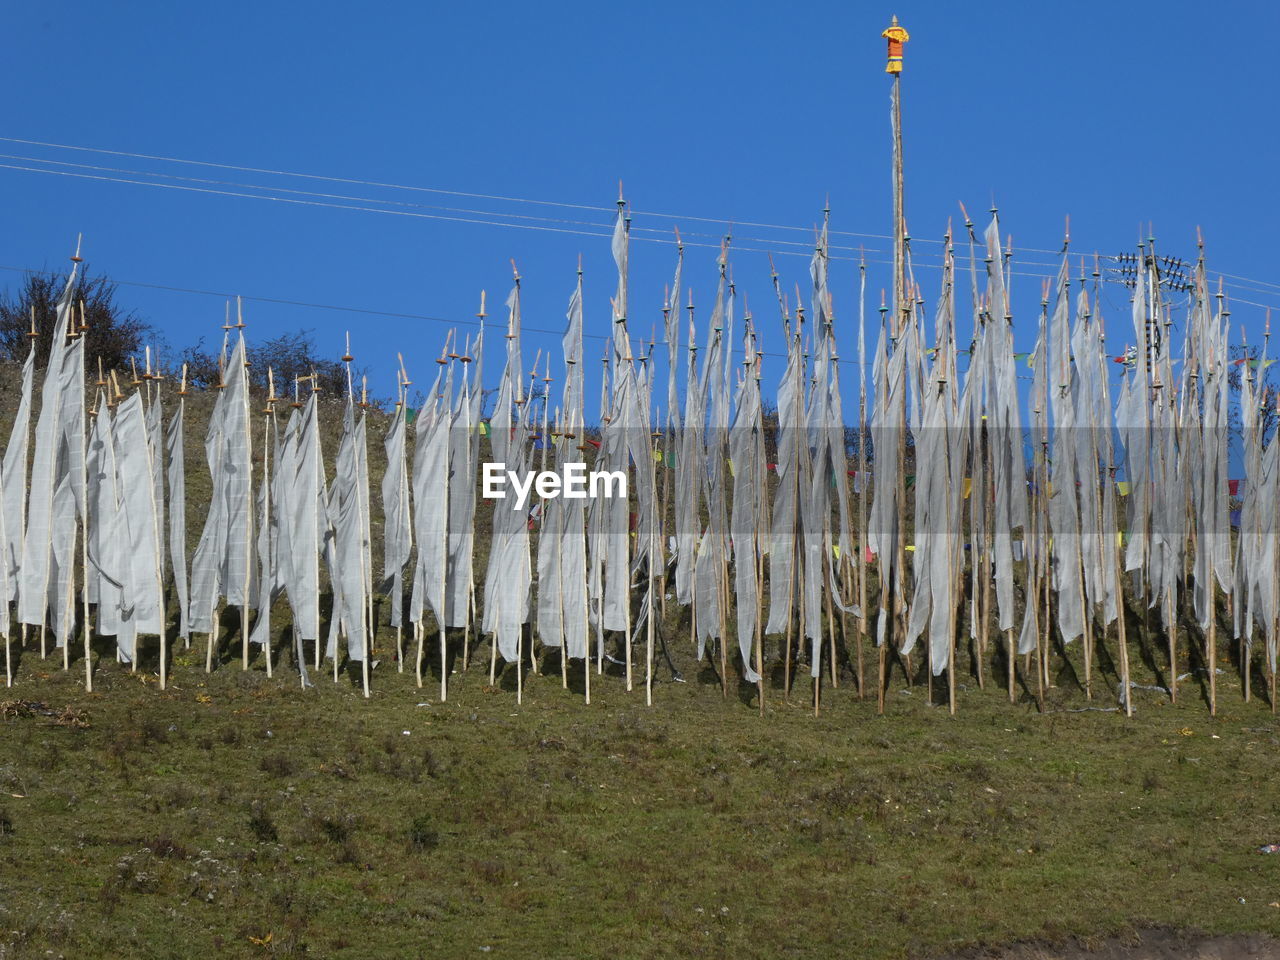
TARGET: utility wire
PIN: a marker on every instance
(461, 193)
(465, 210)
(501, 218)
(492, 221)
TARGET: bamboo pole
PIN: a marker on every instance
(1121, 630)
(471, 616)
(723, 587)
(586, 661)
(1045, 565)
(417, 660)
(817, 666)
(1032, 593)
(366, 559)
(248, 526)
(315, 557)
(70, 606)
(84, 546)
(213, 622)
(157, 536)
(860, 561)
(1275, 624)
(401, 410)
(264, 602)
(493, 653)
(529, 398)
(444, 581)
(1086, 640)
(902, 317)
(651, 612)
(759, 639)
(831, 625)
(182, 410)
(1211, 642)
(985, 617)
(757, 517)
(564, 642)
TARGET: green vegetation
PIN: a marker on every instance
(233, 815)
(240, 816)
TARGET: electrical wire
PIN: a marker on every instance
(461, 193)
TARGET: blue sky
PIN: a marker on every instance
(748, 112)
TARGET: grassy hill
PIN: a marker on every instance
(240, 816)
(232, 814)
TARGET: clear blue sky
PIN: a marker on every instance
(750, 112)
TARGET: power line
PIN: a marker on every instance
(456, 219)
(374, 200)
(460, 193)
(367, 209)
(466, 210)
(493, 219)
(514, 199)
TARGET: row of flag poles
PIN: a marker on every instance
(1008, 542)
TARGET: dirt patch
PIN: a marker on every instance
(24, 709)
(1145, 945)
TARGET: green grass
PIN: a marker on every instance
(232, 808)
(236, 815)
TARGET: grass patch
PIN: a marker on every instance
(172, 826)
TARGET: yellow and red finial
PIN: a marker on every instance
(897, 36)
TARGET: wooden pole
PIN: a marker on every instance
(1086, 640)
(70, 608)
(651, 612)
(182, 411)
(84, 554)
(791, 591)
(564, 642)
(1046, 564)
(397, 599)
(585, 613)
(902, 308)
(417, 660)
(248, 526)
(1032, 593)
(1121, 632)
(444, 587)
(985, 619)
(723, 585)
(471, 616)
(215, 598)
(1211, 642)
(758, 516)
(493, 659)
(759, 641)
(157, 533)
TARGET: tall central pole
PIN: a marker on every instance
(896, 37)
(900, 304)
